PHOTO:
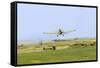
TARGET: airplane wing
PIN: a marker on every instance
(69, 31)
(51, 33)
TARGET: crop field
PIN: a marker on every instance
(65, 51)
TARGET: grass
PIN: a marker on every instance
(73, 53)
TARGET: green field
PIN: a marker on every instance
(66, 51)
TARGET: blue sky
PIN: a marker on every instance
(34, 19)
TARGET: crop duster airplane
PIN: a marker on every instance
(60, 32)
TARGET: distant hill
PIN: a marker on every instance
(58, 40)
